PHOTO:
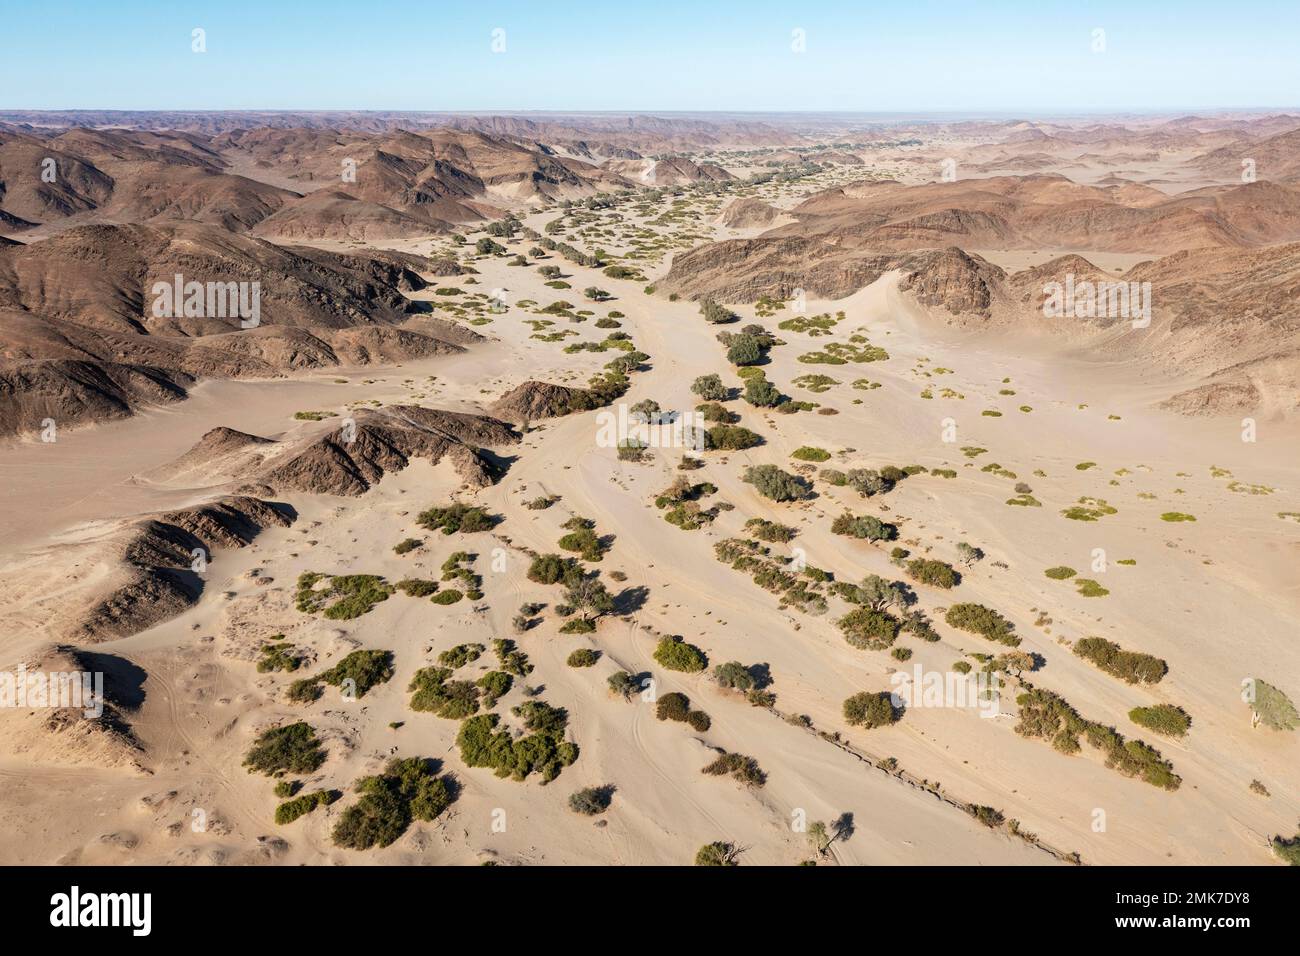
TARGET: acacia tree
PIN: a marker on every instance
(1269, 706)
(710, 388)
(880, 595)
(820, 837)
(589, 597)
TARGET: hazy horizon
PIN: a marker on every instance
(934, 56)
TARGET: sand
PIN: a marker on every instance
(1217, 598)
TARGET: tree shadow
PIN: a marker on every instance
(630, 600)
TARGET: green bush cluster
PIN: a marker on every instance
(278, 656)
(460, 655)
(770, 531)
(1048, 716)
(870, 710)
(677, 655)
(737, 766)
(582, 538)
(362, 669)
(407, 790)
(868, 629)
(937, 574)
(1129, 666)
(773, 483)
(292, 748)
(346, 597)
(433, 692)
(1167, 719)
(456, 517)
(984, 621)
(726, 437)
(291, 810)
(863, 527)
(543, 750)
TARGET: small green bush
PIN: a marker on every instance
(292, 748)
(583, 657)
(986, 622)
(937, 574)
(773, 483)
(1129, 666)
(1164, 719)
(591, 801)
(291, 810)
(455, 517)
(677, 655)
(870, 710)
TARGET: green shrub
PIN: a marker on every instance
(1060, 573)
(716, 314)
(863, 527)
(460, 655)
(809, 453)
(761, 393)
(543, 751)
(731, 438)
(741, 768)
(360, 671)
(1048, 716)
(292, 748)
(449, 596)
(673, 706)
(417, 587)
(734, 675)
(870, 710)
(986, 622)
(551, 568)
(1287, 850)
(773, 483)
(583, 657)
(770, 531)
(1130, 666)
(304, 691)
(937, 574)
(407, 790)
(868, 629)
(716, 854)
(991, 818)
(278, 656)
(591, 801)
(1162, 718)
(346, 597)
(291, 810)
(455, 517)
(433, 692)
(623, 684)
(745, 350)
(582, 538)
(494, 685)
(407, 545)
(677, 655)
(1090, 588)
(710, 388)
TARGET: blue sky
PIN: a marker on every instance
(866, 56)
